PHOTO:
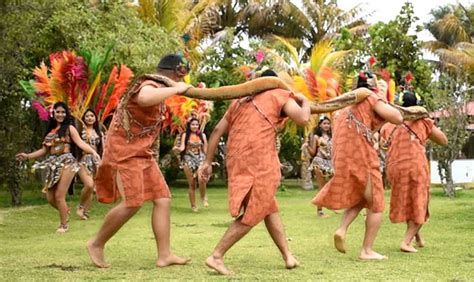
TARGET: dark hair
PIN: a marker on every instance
(188, 132)
(172, 62)
(64, 125)
(96, 127)
(319, 131)
(268, 72)
(362, 79)
(409, 99)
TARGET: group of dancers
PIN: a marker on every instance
(128, 170)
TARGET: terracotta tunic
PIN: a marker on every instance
(132, 158)
(252, 158)
(407, 170)
(355, 161)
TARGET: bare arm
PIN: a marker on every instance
(388, 113)
(181, 146)
(313, 145)
(34, 155)
(80, 143)
(204, 146)
(150, 96)
(205, 170)
(438, 136)
(299, 114)
(217, 133)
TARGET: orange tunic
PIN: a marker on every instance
(252, 159)
(355, 161)
(407, 170)
(132, 159)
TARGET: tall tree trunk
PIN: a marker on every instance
(448, 187)
(14, 183)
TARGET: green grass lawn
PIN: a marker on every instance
(30, 249)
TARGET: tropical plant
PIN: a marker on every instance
(31, 30)
(398, 59)
(308, 25)
(452, 28)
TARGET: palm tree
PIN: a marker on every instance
(314, 21)
(452, 28)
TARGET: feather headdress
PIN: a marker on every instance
(77, 81)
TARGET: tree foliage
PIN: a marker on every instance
(31, 30)
(394, 48)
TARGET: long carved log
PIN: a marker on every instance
(341, 101)
(262, 84)
(248, 88)
(412, 113)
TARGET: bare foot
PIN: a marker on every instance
(194, 209)
(205, 203)
(371, 255)
(291, 262)
(407, 248)
(218, 265)
(420, 243)
(80, 211)
(96, 254)
(322, 215)
(172, 260)
(339, 241)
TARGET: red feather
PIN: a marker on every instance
(372, 61)
(42, 113)
(120, 86)
(408, 77)
(385, 74)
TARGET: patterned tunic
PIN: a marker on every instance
(87, 160)
(252, 158)
(322, 160)
(407, 170)
(194, 156)
(58, 159)
(132, 158)
(355, 161)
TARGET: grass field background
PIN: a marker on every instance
(30, 249)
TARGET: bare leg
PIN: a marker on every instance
(275, 228)
(412, 230)
(85, 200)
(321, 182)
(420, 243)
(235, 232)
(340, 234)
(113, 221)
(372, 225)
(50, 196)
(160, 222)
(60, 194)
(191, 187)
(202, 191)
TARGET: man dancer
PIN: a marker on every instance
(253, 166)
(128, 169)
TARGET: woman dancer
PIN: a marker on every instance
(357, 182)
(408, 172)
(320, 148)
(194, 147)
(60, 166)
(92, 135)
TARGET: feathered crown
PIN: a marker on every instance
(77, 81)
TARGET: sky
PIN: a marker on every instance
(383, 10)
